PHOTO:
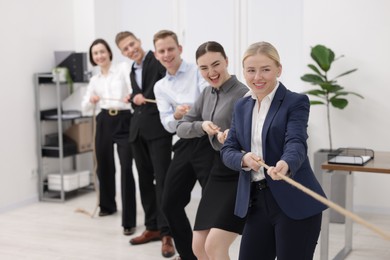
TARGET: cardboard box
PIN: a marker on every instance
(81, 133)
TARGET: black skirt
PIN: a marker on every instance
(216, 207)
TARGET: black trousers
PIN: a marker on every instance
(152, 158)
(269, 233)
(192, 161)
(112, 130)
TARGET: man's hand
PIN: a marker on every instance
(180, 111)
(139, 99)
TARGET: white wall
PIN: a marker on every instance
(33, 30)
(357, 29)
(30, 32)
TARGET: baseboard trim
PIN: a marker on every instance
(19, 204)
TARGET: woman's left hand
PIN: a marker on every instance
(221, 136)
(210, 128)
(281, 167)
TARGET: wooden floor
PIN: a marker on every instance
(47, 230)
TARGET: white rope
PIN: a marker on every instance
(329, 203)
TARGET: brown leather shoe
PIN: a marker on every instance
(146, 237)
(167, 248)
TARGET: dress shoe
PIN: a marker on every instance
(146, 237)
(128, 231)
(167, 248)
(106, 213)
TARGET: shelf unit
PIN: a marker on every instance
(51, 122)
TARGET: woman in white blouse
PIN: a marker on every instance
(106, 93)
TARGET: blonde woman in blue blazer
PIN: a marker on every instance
(269, 124)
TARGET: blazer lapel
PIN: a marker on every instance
(276, 102)
(248, 123)
(145, 67)
(244, 180)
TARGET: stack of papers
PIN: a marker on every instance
(353, 156)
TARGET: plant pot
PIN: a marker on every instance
(338, 184)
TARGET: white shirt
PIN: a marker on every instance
(111, 88)
(260, 111)
(182, 88)
(138, 71)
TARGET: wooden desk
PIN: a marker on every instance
(380, 164)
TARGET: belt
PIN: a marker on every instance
(259, 185)
(115, 112)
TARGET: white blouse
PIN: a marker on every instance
(260, 111)
(111, 89)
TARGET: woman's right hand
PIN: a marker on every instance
(126, 99)
(210, 128)
(251, 160)
(94, 99)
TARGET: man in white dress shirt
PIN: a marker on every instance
(175, 95)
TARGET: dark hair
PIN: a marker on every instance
(121, 35)
(164, 34)
(209, 47)
(96, 42)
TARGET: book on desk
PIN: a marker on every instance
(351, 156)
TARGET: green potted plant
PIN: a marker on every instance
(328, 91)
(63, 75)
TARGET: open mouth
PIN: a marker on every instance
(259, 85)
(214, 79)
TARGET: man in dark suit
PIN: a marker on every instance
(151, 143)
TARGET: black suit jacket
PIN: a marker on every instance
(146, 118)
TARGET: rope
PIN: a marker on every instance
(329, 203)
(95, 179)
(117, 99)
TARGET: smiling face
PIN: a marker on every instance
(168, 52)
(213, 67)
(131, 48)
(261, 73)
(100, 55)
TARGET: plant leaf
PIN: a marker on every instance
(345, 73)
(323, 56)
(344, 93)
(340, 103)
(315, 92)
(316, 102)
(313, 79)
(315, 69)
(330, 88)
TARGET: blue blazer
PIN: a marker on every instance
(283, 138)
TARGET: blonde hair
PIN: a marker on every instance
(265, 48)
